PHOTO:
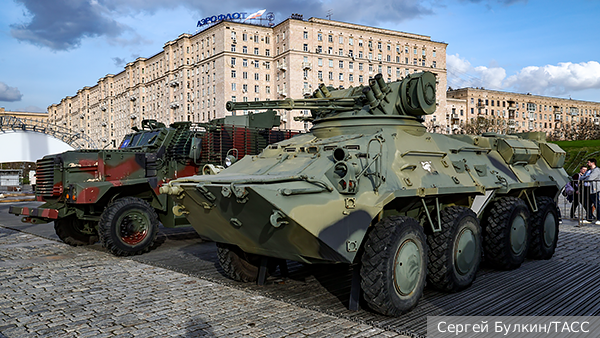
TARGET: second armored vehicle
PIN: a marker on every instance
(370, 186)
(112, 194)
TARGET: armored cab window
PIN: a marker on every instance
(148, 138)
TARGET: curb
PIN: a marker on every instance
(18, 200)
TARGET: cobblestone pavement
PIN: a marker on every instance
(50, 289)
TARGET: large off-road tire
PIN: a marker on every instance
(454, 252)
(128, 226)
(76, 232)
(544, 229)
(237, 264)
(394, 265)
(506, 233)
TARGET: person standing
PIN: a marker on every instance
(593, 176)
(577, 190)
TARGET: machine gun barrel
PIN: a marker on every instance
(332, 104)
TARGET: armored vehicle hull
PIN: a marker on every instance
(369, 185)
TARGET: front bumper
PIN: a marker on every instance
(34, 215)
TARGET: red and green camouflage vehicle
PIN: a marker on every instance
(112, 195)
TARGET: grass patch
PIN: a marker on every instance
(578, 152)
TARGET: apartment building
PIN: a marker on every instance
(514, 112)
(35, 116)
(193, 76)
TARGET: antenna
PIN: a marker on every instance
(329, 13)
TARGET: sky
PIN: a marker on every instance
(51, 48)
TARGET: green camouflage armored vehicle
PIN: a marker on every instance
(112, 195)
(369, 185)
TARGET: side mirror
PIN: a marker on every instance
(196, 150)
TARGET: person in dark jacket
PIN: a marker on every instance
(577, 190)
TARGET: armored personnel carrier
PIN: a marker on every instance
(369, 185)
(112, 194)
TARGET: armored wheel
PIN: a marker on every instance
(455, 251)
(394, 265)
(237, 264)
(506, 233)
(76, 232)
(128, 226)
(544, 229)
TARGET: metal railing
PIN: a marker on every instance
(583, 204)
(73, 138)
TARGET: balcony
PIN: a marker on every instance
(282, 67)
(174, 105)
(454, 116)
(306, 91)
(282, 93)
(174, 84)
(557, 117)
(132, 98)
(306, 65)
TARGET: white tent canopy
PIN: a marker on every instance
(20, 146)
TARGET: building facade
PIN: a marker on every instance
(34, 116)
(193, 77)
(514, 113)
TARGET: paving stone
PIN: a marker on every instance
(88, 293)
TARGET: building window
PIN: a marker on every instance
(341, 65)
(267, 77)
(320, 75)
(244, 88)
(233, 73)
(434, 53)
(360, 42)
(330, 75)
(244, 75)
(330, 38)
(255, 50)
(233, 98)
(232, 49)
(350, 65)
(305, 47)
(351, 77)
(233, 61)
(433, 64)
(319, 37)
(245, 49)
(233, 87)
(256, 76)
(306, 35)
(341, 39)
(360, 66)
(350, 41)
(256, 64)
(415, 61)
(256, 88)
(320, 62)
(331, 63)
(360, 78)
(267, 52)
(268, 89)
(341, 76)
(245, 37)
(267, 65)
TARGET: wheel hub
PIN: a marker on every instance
(465, 251)
(407, 267)
(549, 229)
(518, 235)
(133, 227)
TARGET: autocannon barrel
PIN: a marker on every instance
(289, 104)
